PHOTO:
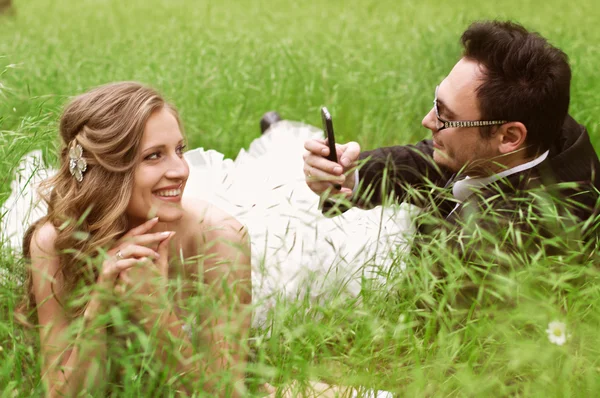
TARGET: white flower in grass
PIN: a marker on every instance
(557, 332)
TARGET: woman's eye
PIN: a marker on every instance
(181, 149)
(153, 156)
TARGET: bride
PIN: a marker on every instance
(295, 250)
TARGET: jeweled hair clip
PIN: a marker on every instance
(77, 164)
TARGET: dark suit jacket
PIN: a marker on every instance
(408, 173)
(462, 234)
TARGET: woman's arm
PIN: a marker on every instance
(69, 365)
(225, 271)
(74, 361)
(228, 276)
(145, 288)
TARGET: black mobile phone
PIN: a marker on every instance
(328, 129)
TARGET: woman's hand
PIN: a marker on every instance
(145, 284)
(129, 251)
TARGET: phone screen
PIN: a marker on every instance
(328, 128)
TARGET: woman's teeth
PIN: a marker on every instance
(169, 192)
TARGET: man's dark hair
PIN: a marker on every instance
(526, 79)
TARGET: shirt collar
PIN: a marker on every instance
(464, 188)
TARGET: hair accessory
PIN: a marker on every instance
(77, 164)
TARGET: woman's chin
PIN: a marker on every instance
(170, 215)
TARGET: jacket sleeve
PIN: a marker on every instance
(394, 171)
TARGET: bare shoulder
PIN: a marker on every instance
(42, 243)
(224, 243)
(45, 262)
(207, 220)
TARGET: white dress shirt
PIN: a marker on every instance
(462, 189)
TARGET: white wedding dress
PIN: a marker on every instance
(297, 253)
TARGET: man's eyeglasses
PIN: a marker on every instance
(461, 123)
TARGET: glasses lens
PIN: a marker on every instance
(439, 124)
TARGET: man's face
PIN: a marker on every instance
(460, 147)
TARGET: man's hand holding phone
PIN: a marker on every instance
(321, 173)
(325, 170)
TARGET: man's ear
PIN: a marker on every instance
(512, 137)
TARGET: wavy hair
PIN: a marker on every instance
(108, 122)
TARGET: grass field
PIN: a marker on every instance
(375, 65)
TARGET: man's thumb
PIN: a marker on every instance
(350, 153)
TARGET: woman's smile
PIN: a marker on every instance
(170, 194)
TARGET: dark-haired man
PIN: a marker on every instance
(499, 128)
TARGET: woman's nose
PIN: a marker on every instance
(178, 168)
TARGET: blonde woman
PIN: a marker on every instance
(296, 251)
(116, 233)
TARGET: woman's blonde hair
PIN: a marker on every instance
(108, 122)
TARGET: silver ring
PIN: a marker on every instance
(119, 255)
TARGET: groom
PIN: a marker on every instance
(499, 130)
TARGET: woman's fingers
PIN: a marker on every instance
(144, 239)
(123, 265)
(141, 229)
(137, 235)
(119, 273)
(124, 278)
(147, 239)
(111, 270)
(125, 281)
(126, 258)
(136, 251)
(163, 251)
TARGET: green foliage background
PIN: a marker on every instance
(375, 65)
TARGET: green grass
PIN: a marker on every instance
(375, 65)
